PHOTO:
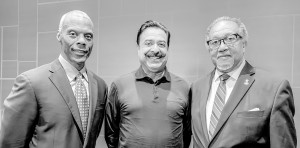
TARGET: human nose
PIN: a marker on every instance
(223, 46)
(81, 42)
(155, 48)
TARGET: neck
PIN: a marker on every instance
(154, 75)
(79, 66)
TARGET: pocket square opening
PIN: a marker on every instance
(250, 114)
(254, 109)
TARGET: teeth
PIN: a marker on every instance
(224, 56)
(82, 51)
(154, 57)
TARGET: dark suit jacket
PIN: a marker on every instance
(270, 126)
(41, 111)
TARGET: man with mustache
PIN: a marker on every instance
(60, 104)
(149, 107)
(238, 105)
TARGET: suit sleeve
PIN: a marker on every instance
(112, 118)
(187, 123)
(282, 127)
(19, 114)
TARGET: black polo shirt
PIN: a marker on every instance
(143, 113)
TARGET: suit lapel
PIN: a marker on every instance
(93, 99)
(203, 102)
(61, 82)
(241, 87)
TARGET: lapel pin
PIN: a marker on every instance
(246, 82)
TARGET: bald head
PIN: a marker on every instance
(72, 15)
(75, 34)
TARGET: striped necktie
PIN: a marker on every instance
(82, 101)
(218, 106)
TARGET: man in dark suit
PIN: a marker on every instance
(237, 105)
(60, 104)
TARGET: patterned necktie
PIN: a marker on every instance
(218, 106)
(82, 101)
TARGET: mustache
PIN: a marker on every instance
(155, 54)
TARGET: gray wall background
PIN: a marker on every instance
(28, 29)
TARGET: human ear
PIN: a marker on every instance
(58, 36)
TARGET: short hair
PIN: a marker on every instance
(242, 27)
(81, 13)
(151, 23)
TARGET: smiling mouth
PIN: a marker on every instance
(224, 56)
(154, 57)
(80, 51)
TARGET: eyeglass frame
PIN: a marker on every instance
(223, 39)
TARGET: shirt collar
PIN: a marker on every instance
(140, 74)
(71, 71)
(233, 74)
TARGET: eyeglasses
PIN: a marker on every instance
(228, 40)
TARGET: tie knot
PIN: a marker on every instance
(224, 77)
(79, 76)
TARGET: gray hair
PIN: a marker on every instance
(78, 12)
(242, 27)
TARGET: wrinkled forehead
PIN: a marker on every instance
(223, 28)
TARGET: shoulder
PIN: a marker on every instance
(37, 74)
(266, 82)
(177, 80)
(123, 84)
(264, 76)
(201, 80)
(125, 79)
(38, 70)
(31, 79)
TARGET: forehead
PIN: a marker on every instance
(223, 28)
(77, 22)
(154, 33)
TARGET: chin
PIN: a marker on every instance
(80, 60)
(224, 67)
(155, 69)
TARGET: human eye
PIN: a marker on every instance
(214, 42)
(162, 44)
(72, 34)
(231, 38)
(148, 43)
(89, 37)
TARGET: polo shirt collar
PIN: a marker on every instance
(140, 74)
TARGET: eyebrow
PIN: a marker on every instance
(223, 36)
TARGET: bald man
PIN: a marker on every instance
(60, 104)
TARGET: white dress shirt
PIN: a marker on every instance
(234, 75)
(72, 72)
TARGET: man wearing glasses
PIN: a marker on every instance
(237, 105)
